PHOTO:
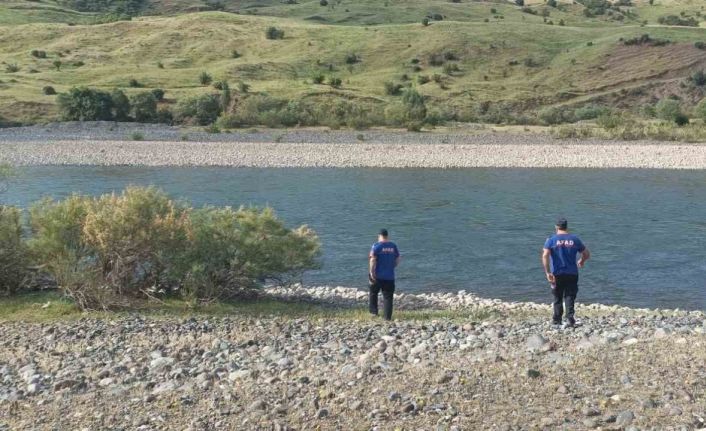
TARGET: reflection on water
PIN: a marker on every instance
(475, 229)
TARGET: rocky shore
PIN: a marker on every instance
(489, 365)
(110, 144)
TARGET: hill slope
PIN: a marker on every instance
(515, 59)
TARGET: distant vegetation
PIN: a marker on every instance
(473, 62)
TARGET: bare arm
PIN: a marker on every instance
(397, 260)
(546, 254)
(585, 255)
(373, 262)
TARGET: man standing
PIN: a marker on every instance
(562, 269)
(384, 257)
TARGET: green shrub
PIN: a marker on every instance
(554, 115)
(158, 94)
(698, 78)
(14, 258)
(36, 53)
(323, 2)
(520, 2)
(425, 22)
(411, 110)
(12, 68)
(48, 90)
(352, 59)
(451, 68)
(137, 136)
(590, 112)
(116, 250)
(134, 83)
(201, 110)
(228, 254)
(700, 45)
(678, 21)
(318, 78)
(205, 78)
(57, 65)
(274, 33)
(243, 87)
(609, 121)
(700, 110)
(334, 81)
(423, 79)
(144, 107)
(681, 119)
(121, 105)
(668, 109)
(85, 104)
(392, 89)
(165, 116)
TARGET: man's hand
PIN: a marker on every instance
(581, 263)
(371, 277)
(551, 278)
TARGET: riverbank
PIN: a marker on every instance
(97, 144)
(484, 364)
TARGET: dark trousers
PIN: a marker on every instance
(388, 290)
(566, 288)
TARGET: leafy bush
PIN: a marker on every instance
(590, 112)
(144, 107)
(681, 119)
(121, 105)
(228, 254)
(700, 45)
(243, 87)
(318, 78)
(165, 116)
(698, 78)
(323, 2)
(49, 90)
(137, 136)
(425, 22)
(668, 109)
(116, 249)
(205, 78)
(274, 33)
(85, 104)
(201, 110)
(352, 59)
(57, 64)
(134, 83)
(520, 2)
(392, 89)
(14, 258)
(12, 68)
(334, 81)
(423, 79)
(554, 115)
(645, 39)
(158, 94)
(678, 21)
(410, 111)
(36, 53)
(451, 68)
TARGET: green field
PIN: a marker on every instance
(501, 57)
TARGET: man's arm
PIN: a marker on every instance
(585, 255)
(546, 255)
(397, 260)
(373, 262)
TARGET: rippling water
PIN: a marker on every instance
(477, 229)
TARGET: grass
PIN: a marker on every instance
(385, 38)
(52, 306)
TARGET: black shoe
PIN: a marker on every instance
(571, 323)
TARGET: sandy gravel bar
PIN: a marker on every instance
(343, 155)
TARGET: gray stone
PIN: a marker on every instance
(164, 387)
(625, 418)
(537, 343)
(161, 363)
(322, 413)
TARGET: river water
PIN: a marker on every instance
(476, 229)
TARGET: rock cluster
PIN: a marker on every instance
(621, 369)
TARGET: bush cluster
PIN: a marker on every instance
(14, 257)
(274, 33)
(645, 39)
(676, 20)
(87, 104)
(114, 250)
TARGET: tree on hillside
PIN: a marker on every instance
(85, 104)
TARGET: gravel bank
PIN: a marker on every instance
(108, 144)
(154, 153)
(622, 369)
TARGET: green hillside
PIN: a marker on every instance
(476, 56)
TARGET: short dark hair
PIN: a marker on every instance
(562, 223)
(384, 233)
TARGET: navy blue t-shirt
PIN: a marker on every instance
(564, 248)
(386, 253)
